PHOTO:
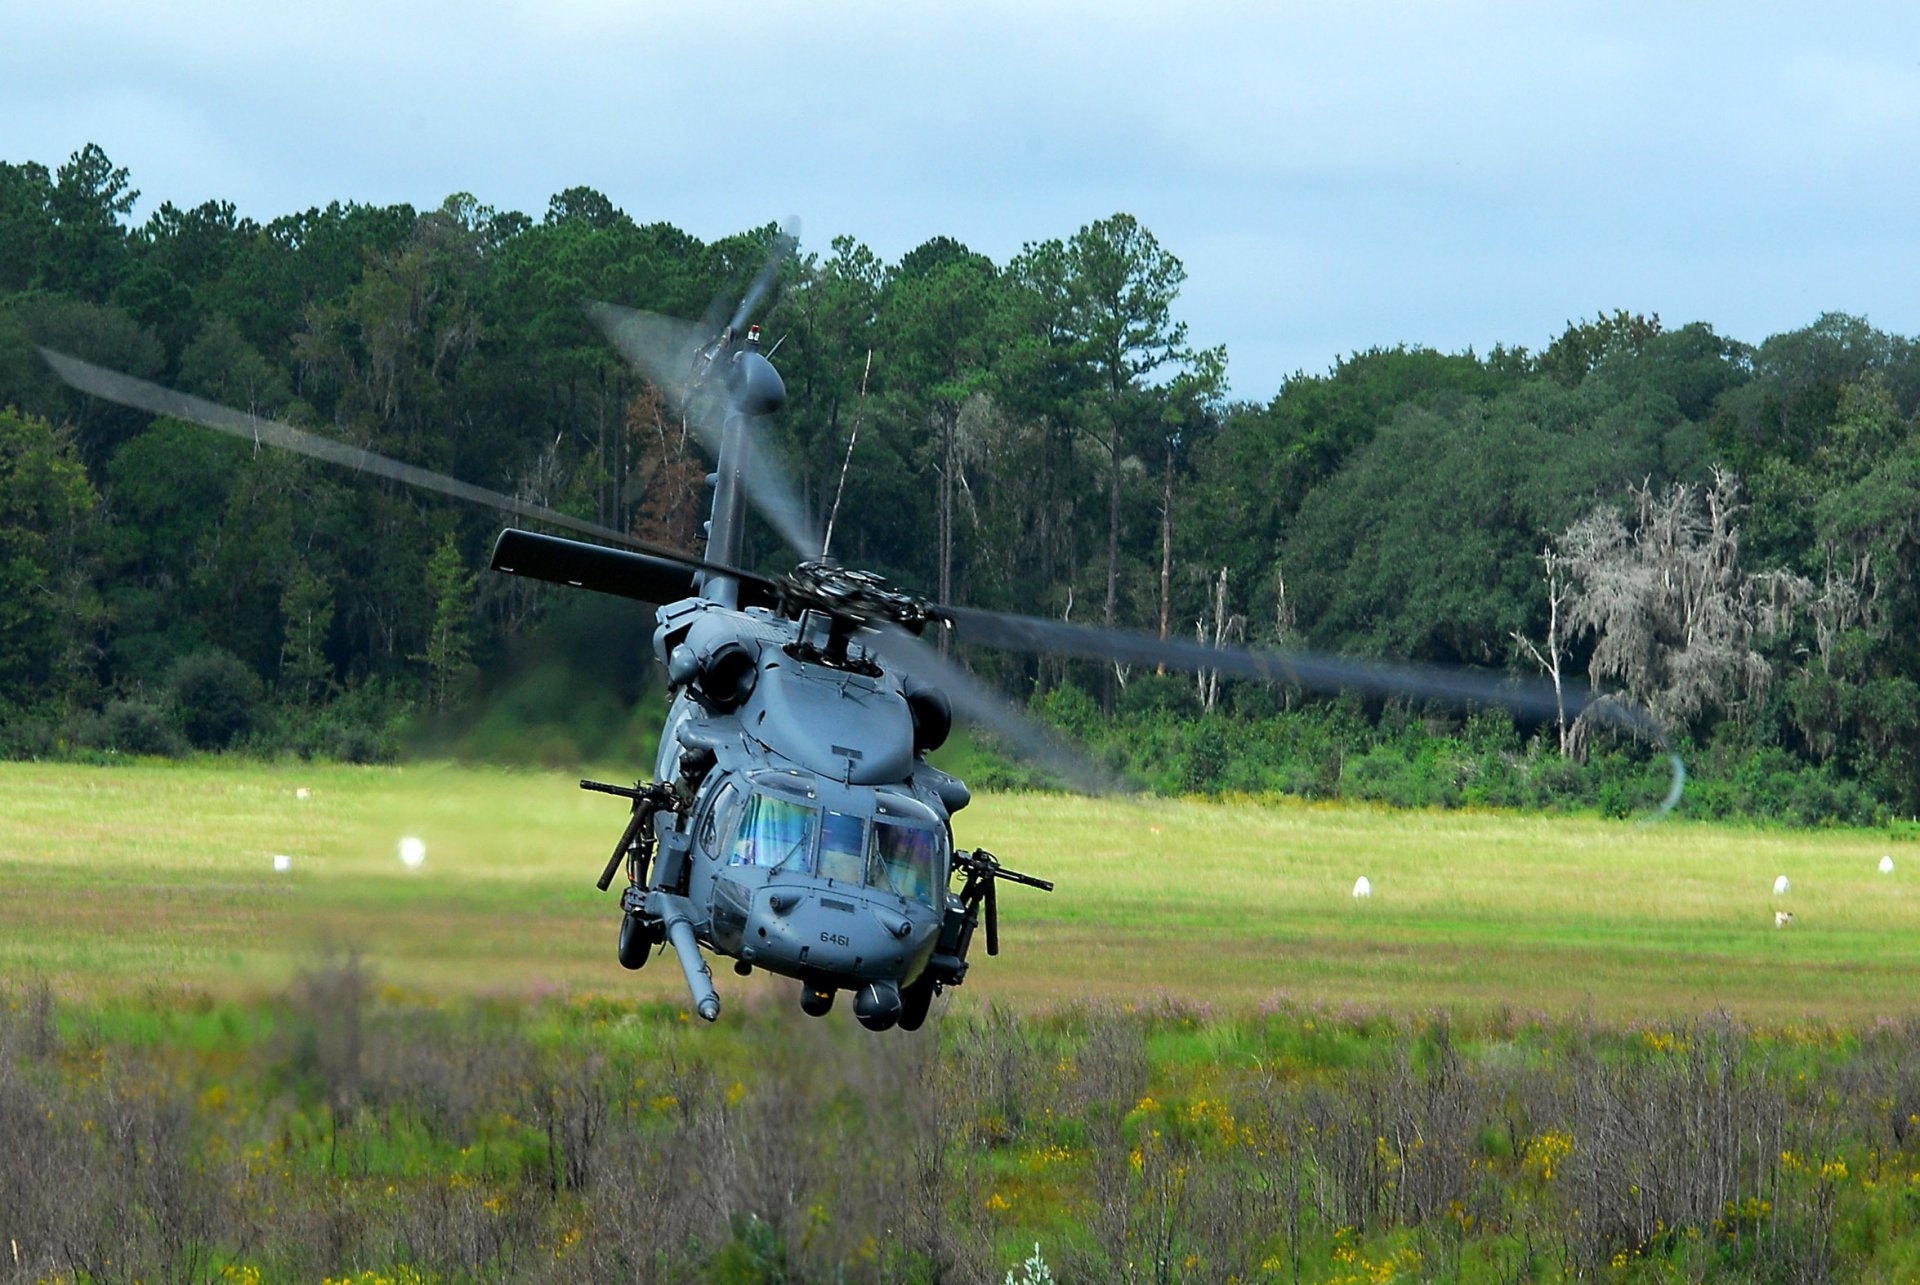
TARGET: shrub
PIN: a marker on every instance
(217, 696)
(134, 727)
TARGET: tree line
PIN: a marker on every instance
(1724, 532)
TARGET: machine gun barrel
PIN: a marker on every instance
(647, 799)
(984, 865)
(634, 792)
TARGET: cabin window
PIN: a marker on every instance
(775, 832)
(907, 859)
(843, 846)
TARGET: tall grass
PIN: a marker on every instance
(343, 1129)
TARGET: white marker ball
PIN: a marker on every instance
(412, 851)
(1362, 888)
(282, 863)
(1886, 865)
(1780, 886)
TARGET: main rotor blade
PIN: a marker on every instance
(661, 348)
(1301, 668)
(620, 572)
(143, 395)
(984, 707)
(783, 245)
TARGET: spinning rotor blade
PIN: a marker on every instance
(670, 353)
(1304, 669)
(664, 350)
(143, 395)
(1320, 673)
(984, 707)
(661, 348)
(783, 245)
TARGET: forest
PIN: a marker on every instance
(1724, 532)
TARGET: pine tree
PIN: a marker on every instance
(450, 644)
(306, 607)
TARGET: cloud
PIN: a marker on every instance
(1333, 176)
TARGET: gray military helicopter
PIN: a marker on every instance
(793, 822)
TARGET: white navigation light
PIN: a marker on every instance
(413, 852)
(282, 863)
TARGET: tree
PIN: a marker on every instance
(1120, 291)
(1586, 344)
(306, 612)
(87, 252)
(26, 224)
(449, 648)
(941, 327)
(1559, 634)
(1674, 614)
(44, 499)
(1189, 415)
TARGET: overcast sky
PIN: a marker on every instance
(1334, 176)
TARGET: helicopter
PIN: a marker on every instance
(793, 822)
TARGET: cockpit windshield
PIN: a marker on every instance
(776, 831)
(905, 859)
(843, 841)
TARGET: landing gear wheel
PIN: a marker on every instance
(915, 1000)
(638, 937)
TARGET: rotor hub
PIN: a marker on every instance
(853, 598)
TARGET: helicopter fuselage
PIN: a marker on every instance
(814, 839)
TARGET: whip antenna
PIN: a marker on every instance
(826, 544)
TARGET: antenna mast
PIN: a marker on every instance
(826, 544)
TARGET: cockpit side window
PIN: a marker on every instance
(718, 827)
(843, 847)
(907, 859)
(774, 832)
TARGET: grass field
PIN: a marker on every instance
(162, 875)
(196, 1085)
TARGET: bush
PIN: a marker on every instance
(1160, 693)
(217, 697)
(1208, 757)
(25, 734)
(134, 727)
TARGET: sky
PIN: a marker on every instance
(1334, 176)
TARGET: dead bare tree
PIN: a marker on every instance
(1559, 633)
(1217, 627)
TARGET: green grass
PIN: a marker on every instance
(158, 877)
